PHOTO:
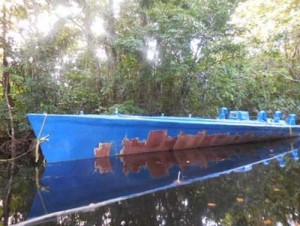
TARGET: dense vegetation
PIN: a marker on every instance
(150, 57)
(147, 57)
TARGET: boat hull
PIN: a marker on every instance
(74, 137)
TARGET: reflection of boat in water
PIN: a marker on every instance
(86, 184)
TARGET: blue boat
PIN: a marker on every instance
(83, 185)
(74, 137)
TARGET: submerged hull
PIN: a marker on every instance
(74, 137)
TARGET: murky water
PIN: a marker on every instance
(235, 185)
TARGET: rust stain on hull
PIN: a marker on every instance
(103, 150)
(185, 141)
(158, 141)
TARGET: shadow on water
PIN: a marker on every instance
(254, 184)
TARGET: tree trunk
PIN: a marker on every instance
(6, 83)
(110, 49)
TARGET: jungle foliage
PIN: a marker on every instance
(147, 57)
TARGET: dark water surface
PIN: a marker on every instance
(256, 184)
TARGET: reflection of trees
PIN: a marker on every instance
(16, 191)
(263, 196)
(7, 192)
(270, 194)
(283, 194)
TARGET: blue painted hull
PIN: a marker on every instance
(86, 184)
(74, 137)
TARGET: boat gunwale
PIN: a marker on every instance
(174, 120)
